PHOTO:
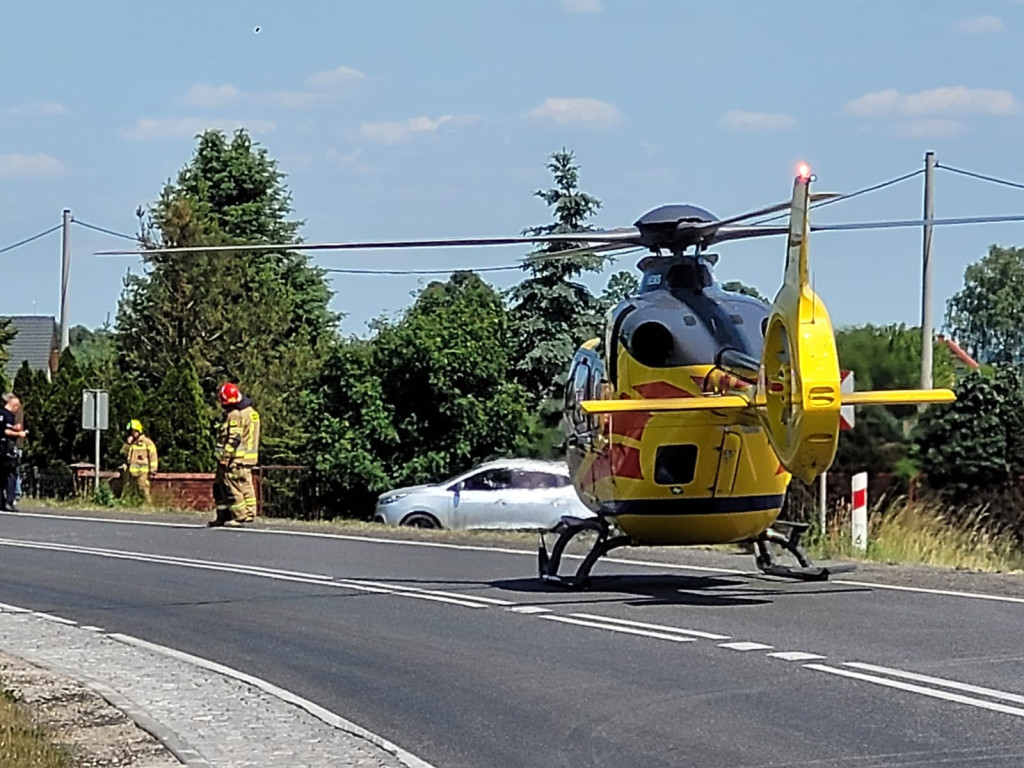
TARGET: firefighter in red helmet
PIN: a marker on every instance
(238, 444)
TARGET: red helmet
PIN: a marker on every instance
(229, 394)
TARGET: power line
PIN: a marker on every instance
(28, 240)
(105, 231)
(841, 198)
(981, 176)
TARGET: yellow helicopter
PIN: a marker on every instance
(687, 421)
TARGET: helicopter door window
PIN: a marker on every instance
(580, 392)
(675, 464)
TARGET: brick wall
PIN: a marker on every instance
(181, 490)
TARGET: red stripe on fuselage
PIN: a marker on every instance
(659, 389)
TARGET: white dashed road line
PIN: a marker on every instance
(745, 646)
(617, 628)
(795, 656)
(656, 627)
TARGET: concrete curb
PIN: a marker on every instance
(178, 746)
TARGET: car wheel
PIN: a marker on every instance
(421, 520)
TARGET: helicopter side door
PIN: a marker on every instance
(584, 377)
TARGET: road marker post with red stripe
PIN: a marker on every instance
(860, 511)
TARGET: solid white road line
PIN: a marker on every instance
(932, 692)
(795, 656)
(656, 627)
(744, 646)
(965, 687)
(529, 609)
(926, 591)
(252, 570)
(617, 628)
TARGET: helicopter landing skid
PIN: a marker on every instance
(807, 571)
(570, 527)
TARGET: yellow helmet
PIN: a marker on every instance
(134, 426)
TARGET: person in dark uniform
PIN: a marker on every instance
(10, 431)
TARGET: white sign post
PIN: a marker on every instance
(96, 416)
(860, 511)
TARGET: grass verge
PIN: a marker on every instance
(925, 534)
(24, 744)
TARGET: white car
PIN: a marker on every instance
(522, 494)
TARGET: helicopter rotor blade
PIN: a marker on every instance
(915, 223)
(627, 236)
(742, 233)
(815, 197)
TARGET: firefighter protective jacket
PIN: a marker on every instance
(239, 441)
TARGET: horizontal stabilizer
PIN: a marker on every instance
(899, 397)
(710, 403)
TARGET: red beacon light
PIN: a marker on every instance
(803, 171)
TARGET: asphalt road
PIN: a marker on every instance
(458, 655)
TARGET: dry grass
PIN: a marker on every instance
(23, 744)
(922, 533)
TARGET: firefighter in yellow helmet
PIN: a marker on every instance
(238, 446)
(141, 462)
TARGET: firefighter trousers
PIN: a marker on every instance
(234, 494)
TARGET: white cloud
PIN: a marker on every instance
(581, 6)
(149, 128)
(926, 129)
(335, 77)
(979, 25)
(937, 102)
(325, 85)
(350, 161)
(757, 121)
(205, 95)
(12, 166)
(395, 131)
(586, 112)
(37, 108)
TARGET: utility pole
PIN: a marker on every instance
(926, 272)
(65, 269)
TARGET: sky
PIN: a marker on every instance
(401, 119)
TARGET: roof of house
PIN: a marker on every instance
(36, 338)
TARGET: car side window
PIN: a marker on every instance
(489, 480)
(534, 480)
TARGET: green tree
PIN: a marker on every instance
(736, 286)
(444, 372)
(553, 314)
(987, 316)
(7, 334)
(55, 429)
(884, 357)
(620, 287)
(350, 431)
(34, 390)
(181, 422)
(260, 319)
(94, 348)
(976, 442)
(426, 397)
